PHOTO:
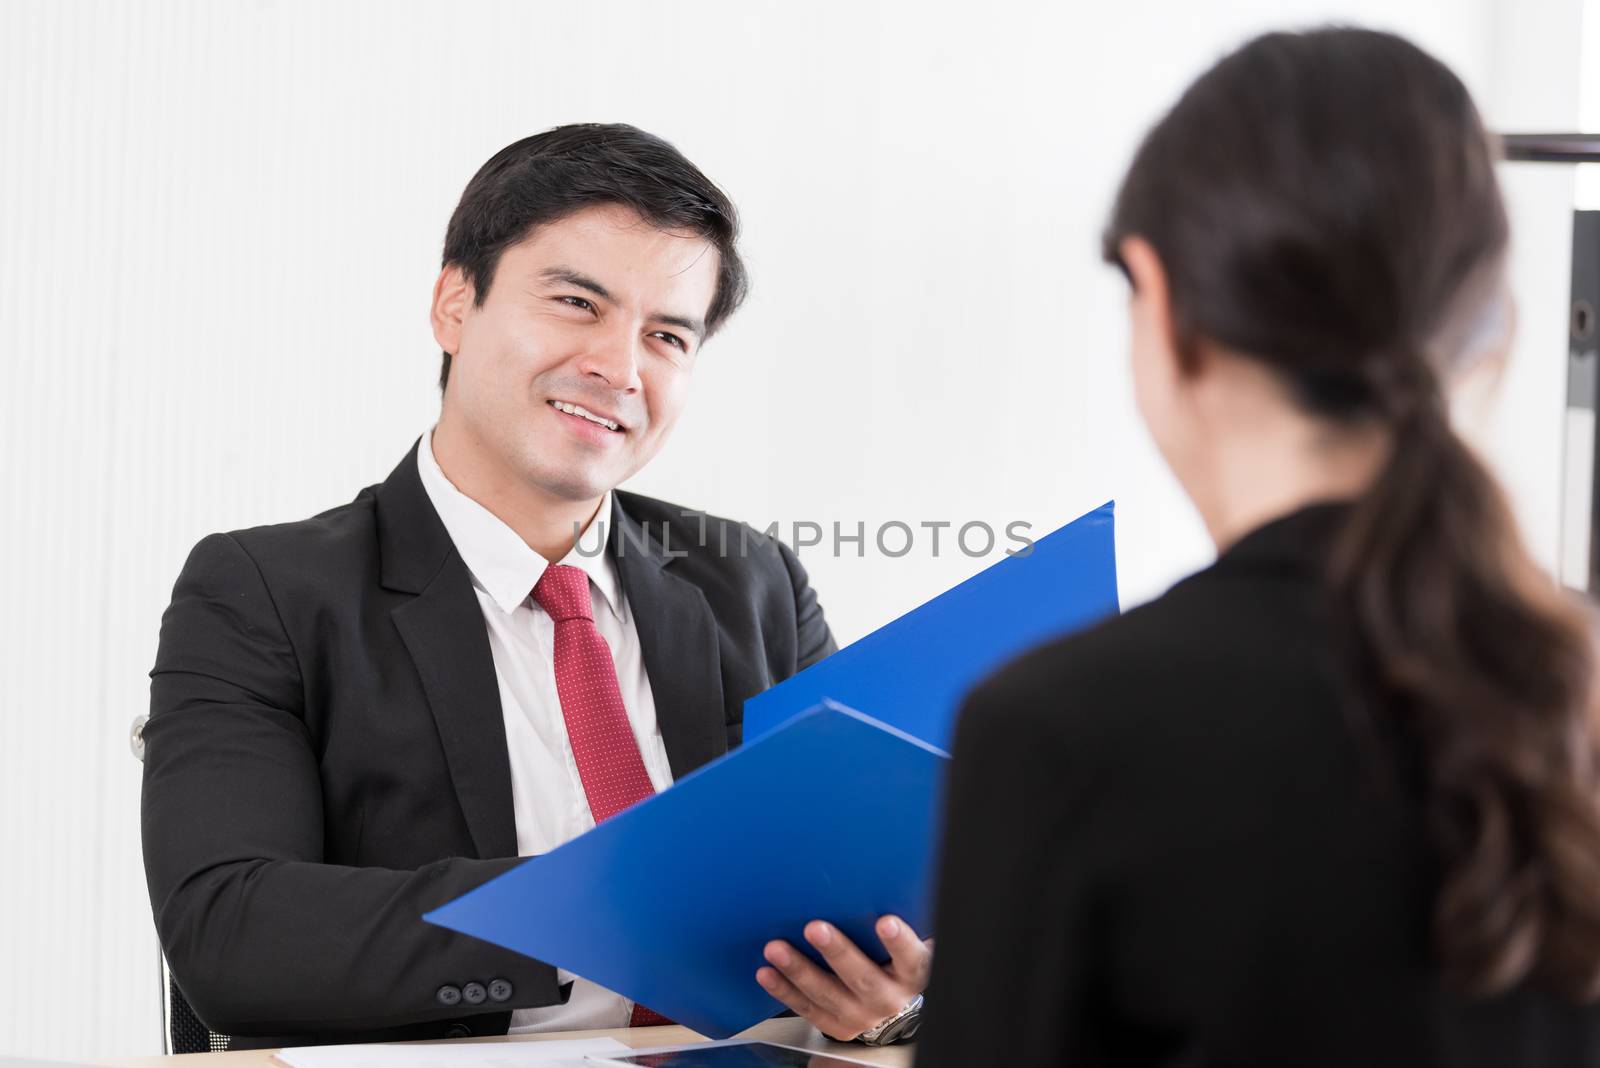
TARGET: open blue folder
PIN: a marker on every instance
(913, 672)
(670, 902)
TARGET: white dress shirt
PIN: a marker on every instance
(546, 790)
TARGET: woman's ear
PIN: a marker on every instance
(1150, 305)
(1151, 298)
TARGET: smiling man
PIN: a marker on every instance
(359, 716)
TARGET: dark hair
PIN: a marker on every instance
(550, 175)
(1326, 203)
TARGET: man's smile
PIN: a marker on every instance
(597, 418)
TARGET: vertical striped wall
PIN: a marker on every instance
(219, 226)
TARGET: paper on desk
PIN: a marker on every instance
(556, 1053)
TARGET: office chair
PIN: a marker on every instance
(185, 1032)
(181, 1029)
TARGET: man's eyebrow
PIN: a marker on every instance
(693, 326)
(575, 278)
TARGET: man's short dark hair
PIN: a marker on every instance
(551, 175)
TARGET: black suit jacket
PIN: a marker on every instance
(1167, 846)
(326, 760)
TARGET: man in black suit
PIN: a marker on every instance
(357, 717)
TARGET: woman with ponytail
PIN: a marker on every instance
(1334, 800)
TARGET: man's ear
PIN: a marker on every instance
(452, 296)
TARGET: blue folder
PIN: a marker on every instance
(912, 673)
(670, 902)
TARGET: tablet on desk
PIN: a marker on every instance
(737, 1053)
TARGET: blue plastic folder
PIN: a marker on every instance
(670, 902)
(913, 672)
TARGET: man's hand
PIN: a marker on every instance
(858, 995)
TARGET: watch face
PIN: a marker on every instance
(892, 1033)
(896, 1028)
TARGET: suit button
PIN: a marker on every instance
(136, 737)
(448, 995)
(500, 990)
(473, 993)
(458, 1031)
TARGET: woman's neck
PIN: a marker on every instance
(1279, 463)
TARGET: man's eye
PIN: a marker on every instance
(578, 302)
(671, 339)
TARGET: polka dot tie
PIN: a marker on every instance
(602, 739)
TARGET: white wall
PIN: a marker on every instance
(219, 224)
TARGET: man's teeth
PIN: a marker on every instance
(573, 409)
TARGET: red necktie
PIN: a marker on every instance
(602, 739)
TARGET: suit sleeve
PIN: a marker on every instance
(814, 639)
(261, 935)
(1015, 954)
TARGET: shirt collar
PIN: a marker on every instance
(500, 562)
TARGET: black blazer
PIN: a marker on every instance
(1166, 846)
(326, 760)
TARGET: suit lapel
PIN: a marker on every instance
(678, 637)
(443, 630)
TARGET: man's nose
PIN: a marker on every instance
(613, 356)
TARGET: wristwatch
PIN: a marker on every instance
(901, 1027)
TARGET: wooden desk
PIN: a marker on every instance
(788, 1032)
